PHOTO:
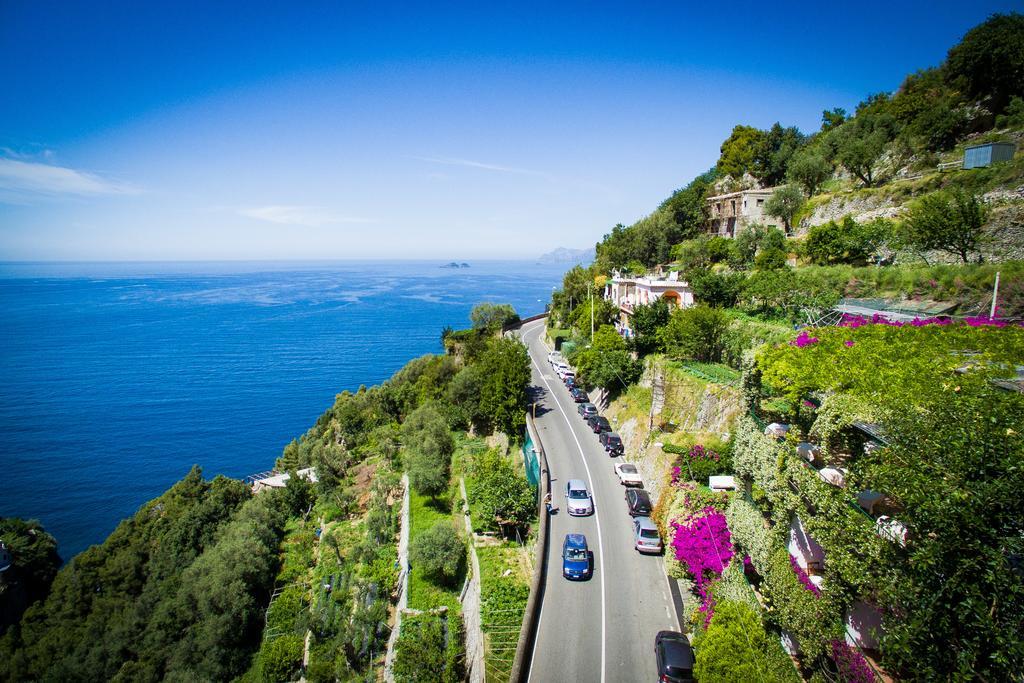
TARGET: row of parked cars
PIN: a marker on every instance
(646, 538)
(673, 654)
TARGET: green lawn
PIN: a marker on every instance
(424, 594)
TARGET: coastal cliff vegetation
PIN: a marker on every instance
(212, 581)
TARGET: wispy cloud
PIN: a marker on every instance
(25, 180)
(468, 163)
(311, 216)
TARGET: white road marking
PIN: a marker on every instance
(597, 519)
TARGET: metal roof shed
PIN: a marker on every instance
(979, 156)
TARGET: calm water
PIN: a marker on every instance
(117, 378)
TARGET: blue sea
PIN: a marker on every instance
(117, 378)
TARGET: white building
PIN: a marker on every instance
(628, 292)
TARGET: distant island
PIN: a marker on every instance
(564, 255)
(455, 264)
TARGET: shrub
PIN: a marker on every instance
(736, 647)
(430, 649)
(696, 333)
(280, 658)
(439, 553)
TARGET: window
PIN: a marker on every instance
(760, 202)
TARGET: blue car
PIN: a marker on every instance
(575, 557)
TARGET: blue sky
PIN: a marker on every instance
(167, 131)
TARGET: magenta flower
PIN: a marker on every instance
(803, 339)
(803, 577)
(848, 343)
(853, 668)
(704, 546)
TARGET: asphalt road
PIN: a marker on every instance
(602, 629)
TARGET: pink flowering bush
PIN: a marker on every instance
(703, 544)
(853, 668)
(803, 577)
(803, 339)
(854, 321)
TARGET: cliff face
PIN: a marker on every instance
(670, 405)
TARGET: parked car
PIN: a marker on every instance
(612, 443)
(560, 367)
(646, 538)
(555, 357)
(577, 498)
(674, 657)
(628, 474)
(586, 410)
(638, 502)
(599, 424)
(569, 378)
(575, 557)
(579, 395)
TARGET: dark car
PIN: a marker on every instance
(579, 395)
(612, 443)
(638, 502)
(674, 657)
(570, 383)
(599, 424)
(586, 410)
(575, 557)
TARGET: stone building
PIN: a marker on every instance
(730, 213)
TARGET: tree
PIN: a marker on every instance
(646, 320)
(947, 221)
(860, 142)
(740, 150)
(784, 203)
(771, 251)
(696, 333)
(736, 647)
(504, 497)
(606, 362)
(281, 658)
(438, 553)
(846, 242)
(428, 449)
(506, 370)
(809, 168)
(687, 207)
(771, 159)
(596, 308)
(832, 118)
(488, 317)
(423, 653)
(702, 252)
(719, 290)
(988, 64)
(34, 564)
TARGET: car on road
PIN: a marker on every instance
(646, 538)
(577, 498)
(628, 474)
(599, 424)
(674, 657)
(612, 443)
(575, 557)
(569, 378)
(586, 410)
(560, 367)
(638, 502)
(579, 395)
(555, 357)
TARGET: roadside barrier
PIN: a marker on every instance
(528, 631)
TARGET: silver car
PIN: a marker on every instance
(577, 499)
(646, 538)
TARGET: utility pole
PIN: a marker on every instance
(591, 297)
(995, 295)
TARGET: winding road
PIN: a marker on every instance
(602, 629)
